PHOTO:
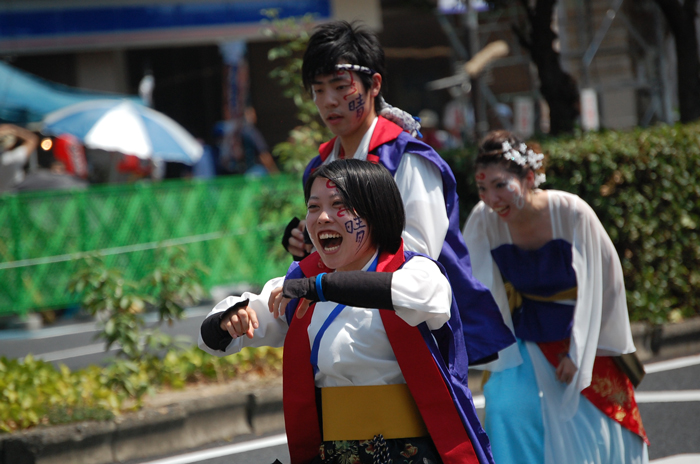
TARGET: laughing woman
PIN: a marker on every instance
(559, 395)
(391, 382)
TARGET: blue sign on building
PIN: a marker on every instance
(27, 26)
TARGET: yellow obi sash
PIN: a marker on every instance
(360, 413)
(515, 298)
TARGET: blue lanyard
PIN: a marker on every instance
(328, 321)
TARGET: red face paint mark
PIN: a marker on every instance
(352, 88)
(341, 212)
(330, 184)
(481, 176)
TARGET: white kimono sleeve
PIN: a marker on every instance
(483, 232)
(601, 320)
(270, 332)
(420, 184)
(421, 293)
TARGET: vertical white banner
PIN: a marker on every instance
(524, 109)
(589, 110)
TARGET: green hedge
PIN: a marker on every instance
(644, 185)
(35, 393)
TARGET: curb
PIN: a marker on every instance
(150, 432)
(200, 421)
(666, 341)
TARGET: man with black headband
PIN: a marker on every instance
(343, 69)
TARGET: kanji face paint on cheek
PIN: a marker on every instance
(356, 102)
(357, 227)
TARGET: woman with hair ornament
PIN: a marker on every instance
(374, 367)
(561, 394)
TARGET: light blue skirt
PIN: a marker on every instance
(516, 429)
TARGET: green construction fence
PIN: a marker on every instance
(232, 225)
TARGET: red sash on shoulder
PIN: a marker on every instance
(610, 390)
(385, 131)
(422, 376)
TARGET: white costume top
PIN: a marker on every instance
(601, 321)
(354, 350)
(420, 184)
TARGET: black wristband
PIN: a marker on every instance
(293, 224)
(300, 288)
(212, 334)
(354, 288)
(359, 288)
(288, 232)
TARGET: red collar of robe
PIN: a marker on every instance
(422, 375)
(385, 131)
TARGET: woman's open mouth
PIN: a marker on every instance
(502, 211)
(330, 241)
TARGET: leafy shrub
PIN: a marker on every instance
(119, 305)
(34, 392)
(644, 185)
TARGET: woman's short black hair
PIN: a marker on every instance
(370, 191)
(339, 42)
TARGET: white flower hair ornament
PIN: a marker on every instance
(525, 156)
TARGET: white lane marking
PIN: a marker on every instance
(228, 450)
(674, 396)
(16, 334)
(678, 459)
(73, 329)
(672, 364)
(74, 352)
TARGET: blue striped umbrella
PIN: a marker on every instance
(125, 127)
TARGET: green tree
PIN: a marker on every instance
(557, 87)
(293, 36)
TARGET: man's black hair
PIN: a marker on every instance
(342, 42)
(369, 191)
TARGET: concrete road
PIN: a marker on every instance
(73, 343)
(669, 401)
(669, 396)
